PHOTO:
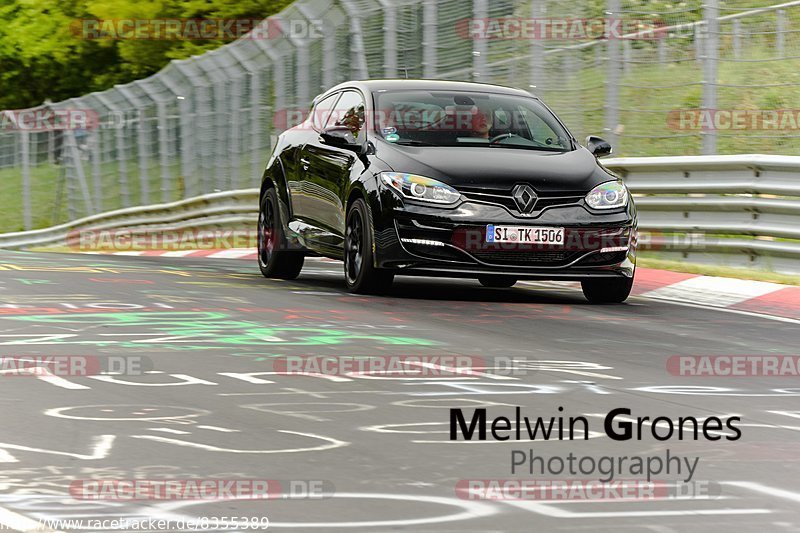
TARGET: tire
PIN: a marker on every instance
(607, 291)
(274, 260)
(497, 281)
(360, 273)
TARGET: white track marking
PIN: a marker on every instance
(734, 311)
(223, 430)
(101, 448)
(716, 291)
(170, 430)
(770, 491)
(193, 413)
(178, 253)
(233, 253)
(332, 443)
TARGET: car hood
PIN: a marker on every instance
(499, 168)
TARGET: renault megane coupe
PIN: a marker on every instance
(439, 178)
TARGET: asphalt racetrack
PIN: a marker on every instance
(211, 406)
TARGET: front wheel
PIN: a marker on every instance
(360, 273)
(274, 260)
(607, 291)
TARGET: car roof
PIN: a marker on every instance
(372, 86)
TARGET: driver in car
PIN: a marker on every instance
(480, 124)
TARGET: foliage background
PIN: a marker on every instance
(40, 57)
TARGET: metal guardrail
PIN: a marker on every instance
(229, 208)
(741, 210)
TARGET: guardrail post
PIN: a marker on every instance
(255, 126)
(611, 106)
(389, 39)
(236, 131)
(329, 57)
(303, 74)
(221, 121)
(627, 54)
(429, 29)
(780, 32)
(480, 10)
(144, 156)
(24, 136)
(75, 164)
(538, 80)
(120, 148)
(184, 96)
(699, 39)
(97, 177)
(358, 58)
(166, 178)
(710, 65)
(122, 163)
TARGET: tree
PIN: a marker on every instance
(43, 54)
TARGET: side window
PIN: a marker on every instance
(322, 110)
(540, 131)
(349, 111)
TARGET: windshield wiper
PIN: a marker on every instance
(412, 142)
(526, 147)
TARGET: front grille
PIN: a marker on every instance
(532, 258)
(504, 198)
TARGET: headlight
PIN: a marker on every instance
(420, 188)
(608, 195)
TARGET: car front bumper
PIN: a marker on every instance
(420, 240)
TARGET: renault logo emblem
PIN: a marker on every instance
(525, 197)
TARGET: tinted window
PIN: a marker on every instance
(322, 110)
(349, 111)
(470, 119)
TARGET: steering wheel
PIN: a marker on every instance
(502, 136)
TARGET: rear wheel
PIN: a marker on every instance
(497, 282)
(360, 273)
(607, 291)
(274, 260)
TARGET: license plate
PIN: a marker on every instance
(524, 235)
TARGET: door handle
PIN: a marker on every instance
(305, 162)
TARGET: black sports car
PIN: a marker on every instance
(402, 177)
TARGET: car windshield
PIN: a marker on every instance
(469, 119)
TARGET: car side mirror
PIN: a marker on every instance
(597, 146)
(340, 136)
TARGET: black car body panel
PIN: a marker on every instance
(316, 182)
